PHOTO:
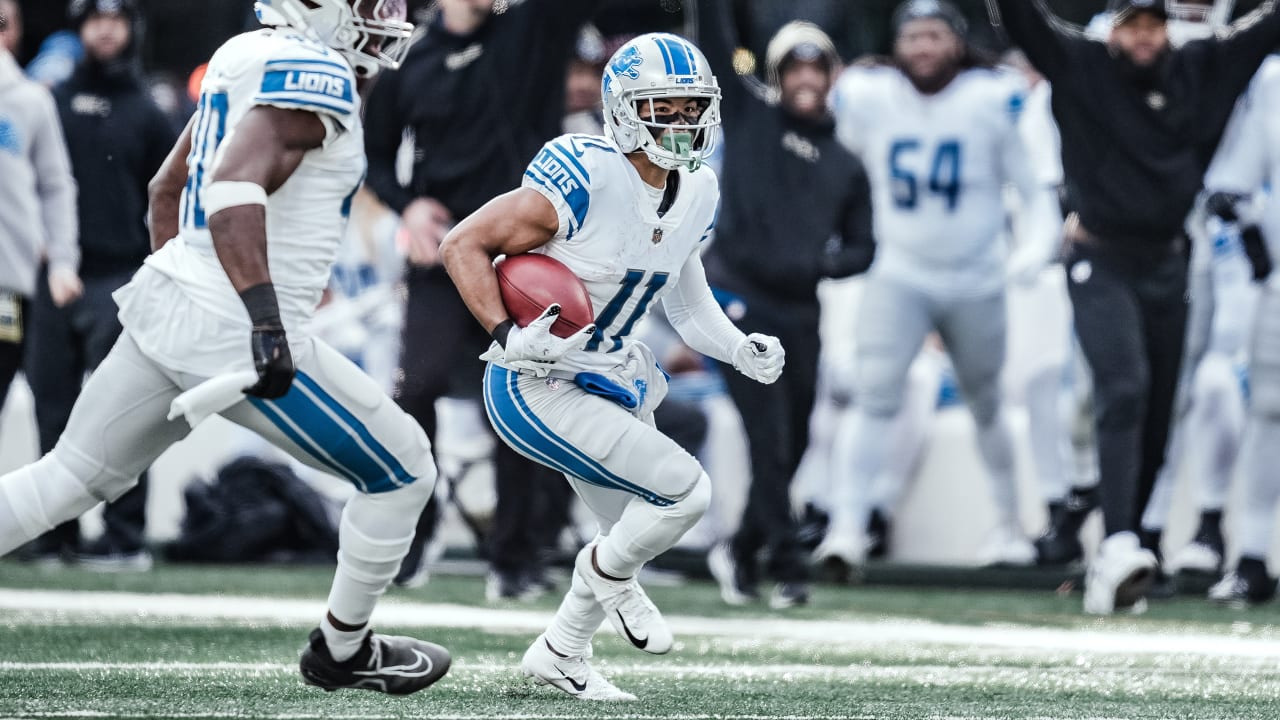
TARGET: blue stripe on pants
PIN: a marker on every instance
(318, 424)
(524, 431)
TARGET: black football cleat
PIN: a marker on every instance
(389, 664)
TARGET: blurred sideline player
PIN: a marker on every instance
(1247, 161)
(936, 131)
(1040, 335)
(262, 177)
(1210, 412)
(628, 214)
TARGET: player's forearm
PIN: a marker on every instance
(471, 269)
(164, 192)
(162, 216)
(240, 241)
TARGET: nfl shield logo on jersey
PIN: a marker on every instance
(657, 236)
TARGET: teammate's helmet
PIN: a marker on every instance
(653, 66)
(370, 34)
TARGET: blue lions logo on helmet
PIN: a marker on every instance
(628, 63)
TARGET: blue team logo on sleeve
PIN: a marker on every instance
(557, 169)
(308, 85)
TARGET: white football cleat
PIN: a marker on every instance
(729, 576)
(1196, 557)
(627, 607)
(841, 554)
(574, 675)
(1119, 576)
(1005, 546)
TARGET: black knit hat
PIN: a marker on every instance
(1122, 10)
(934, 9)
(79, 11)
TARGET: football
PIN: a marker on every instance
(530, 282)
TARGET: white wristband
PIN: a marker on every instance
(225, 194)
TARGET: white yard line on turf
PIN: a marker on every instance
(513, 716)
(848, 634)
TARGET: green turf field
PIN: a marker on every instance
(222, 642)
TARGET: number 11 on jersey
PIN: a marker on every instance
(609, 315)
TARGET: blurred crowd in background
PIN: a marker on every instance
(125, 76)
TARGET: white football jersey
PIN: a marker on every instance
(307, 215)
(938, 165)
(610, 235)
(1248, 159)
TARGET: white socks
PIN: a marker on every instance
(576, 621)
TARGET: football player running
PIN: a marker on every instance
(247, 214)
(1247, 161)
(936, 129)
(627, 213)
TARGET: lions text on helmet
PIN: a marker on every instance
(661, 98)
(370, 34)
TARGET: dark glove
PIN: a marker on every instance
(1255, 248)
(1223, 204)
(273, 363)
(271, 357)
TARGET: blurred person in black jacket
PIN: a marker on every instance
(796, 208)
(117, 138)
(1140, 121)
(481, 91)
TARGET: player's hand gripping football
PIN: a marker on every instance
(535, 347)
(272, 361)
(760, 357)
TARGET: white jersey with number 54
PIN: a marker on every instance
(938, 165)
(306, 216)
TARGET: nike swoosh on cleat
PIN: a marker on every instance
(578, 686)
(412, 670)
(642, 644)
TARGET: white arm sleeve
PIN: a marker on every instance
(697, 317)
(1039, 220)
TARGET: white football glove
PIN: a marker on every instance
(760, 357)
(535, 348)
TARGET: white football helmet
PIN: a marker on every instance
(653, 66)
(370, 34)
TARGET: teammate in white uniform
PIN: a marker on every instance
(937, 133)
(262, 176)
(1210, 409)
(628, 214)
(1247, 161)
(1040, 333)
